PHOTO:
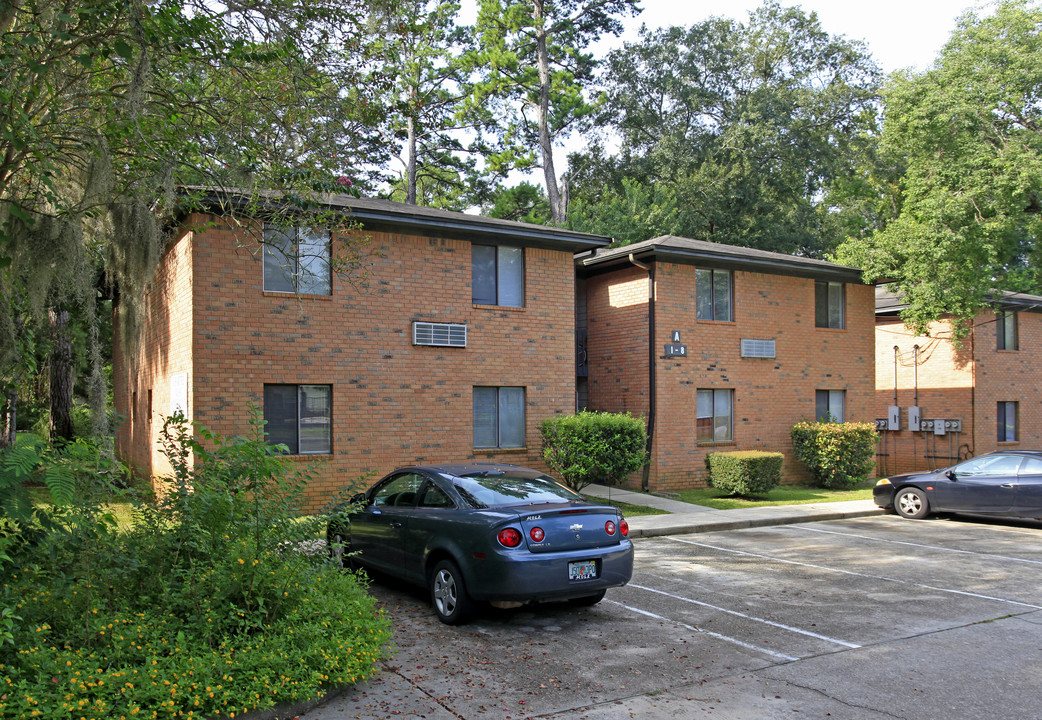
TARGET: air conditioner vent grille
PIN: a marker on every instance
(439, 334)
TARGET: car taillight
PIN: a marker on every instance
(509, 537)
(625, 528)
(537, 534)
(609, 527)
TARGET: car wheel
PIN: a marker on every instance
(449, 595)
(339, 550)
(911, 502)
(587, 600)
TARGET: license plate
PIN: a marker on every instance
(584, 570)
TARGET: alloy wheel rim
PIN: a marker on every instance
(909, 503)
(445, 592)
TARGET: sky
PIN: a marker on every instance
(899, 33)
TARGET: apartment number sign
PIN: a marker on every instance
(674, 348)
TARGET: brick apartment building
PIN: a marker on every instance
(938, 401)
(455, 344)
(722, 348)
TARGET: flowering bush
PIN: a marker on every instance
(206, 606)
(839, 455)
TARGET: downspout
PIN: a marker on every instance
(644, 482)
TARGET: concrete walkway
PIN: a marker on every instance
(687, 518)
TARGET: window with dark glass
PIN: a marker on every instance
(499, 417)
(714, 416)
(830, 405)
(713, 294)
(296, 260)
(1007, 421)
(1006, 330)
(497, 275)
(299, 417)
(829, 304)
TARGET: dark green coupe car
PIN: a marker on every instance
(484, 532)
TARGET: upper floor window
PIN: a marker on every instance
(829, 304)
(299, 417)
(830, 405)
(1006, 330)
(296, 260)
(497, 275)
(713, 294)
(714, 416)
(1007, 421)
(499, 417)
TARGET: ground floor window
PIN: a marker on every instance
(1007, 421)
(499, 417)
(714, 416)
(299, 417)
(831, 405)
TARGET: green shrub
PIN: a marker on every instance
(593, 447)
(839, 455)
(208, 605)
(747, 473)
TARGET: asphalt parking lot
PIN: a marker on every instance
(874, 617)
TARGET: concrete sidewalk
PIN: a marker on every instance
(687, 518)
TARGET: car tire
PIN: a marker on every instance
(339, 548)
(449, 597)
(911, 503)
(587, 600)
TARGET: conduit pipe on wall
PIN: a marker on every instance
(650, 269)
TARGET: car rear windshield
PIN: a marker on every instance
(495, 490)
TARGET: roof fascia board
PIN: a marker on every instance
(735, 262)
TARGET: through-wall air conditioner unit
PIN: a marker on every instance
(439, 334)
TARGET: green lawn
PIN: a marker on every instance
(784, 495)
(627, 509)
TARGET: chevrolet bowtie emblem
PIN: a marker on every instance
(577, 526)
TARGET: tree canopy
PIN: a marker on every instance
(968, 136)
(732, 132)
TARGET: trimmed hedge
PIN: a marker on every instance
(839, 455)
(589, 447)
(746, 473)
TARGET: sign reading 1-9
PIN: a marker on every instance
(674, 348)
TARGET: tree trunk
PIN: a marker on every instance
(558, 212)
(61, 377)
(9, 421)
(410, 168)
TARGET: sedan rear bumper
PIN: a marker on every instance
(521, 575)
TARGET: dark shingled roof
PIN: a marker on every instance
(669, 248)
(418, 220)
(890, 302)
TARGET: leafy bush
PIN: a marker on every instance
(589, 447)
(209, 605)
(746, 473)
(839, 455)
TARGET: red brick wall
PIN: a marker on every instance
(770, 395)
(964, 383)
(161, 350)
(393, 403)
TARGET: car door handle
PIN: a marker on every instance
(396, 524)
(1008, 485)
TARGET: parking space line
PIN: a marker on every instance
(912, 544)
(857, 574)
(710, 633)
(743, 615)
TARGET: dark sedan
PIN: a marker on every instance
(485, 532)
(1007, 483)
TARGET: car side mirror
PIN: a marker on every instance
(951, 475)
(358, 499)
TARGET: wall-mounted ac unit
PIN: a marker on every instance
(439, 334)
(757, 348)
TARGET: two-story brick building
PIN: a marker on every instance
(938, 401)
(455, 342)
(722, 348)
